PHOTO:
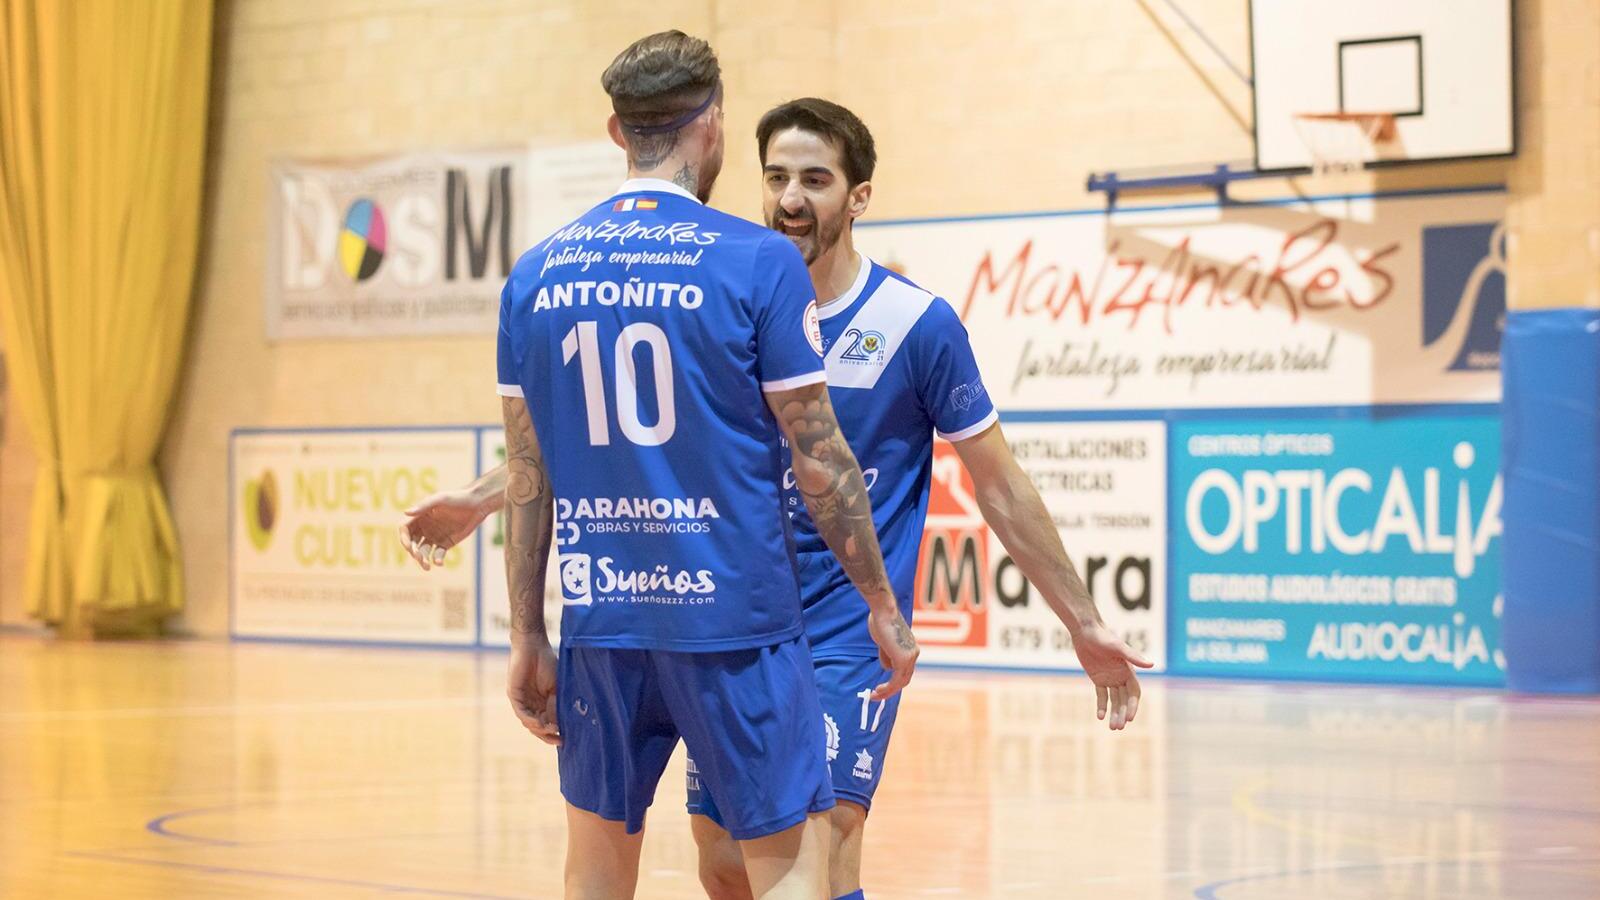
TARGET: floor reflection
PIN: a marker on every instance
(215, 770)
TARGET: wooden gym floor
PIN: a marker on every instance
(207, 769)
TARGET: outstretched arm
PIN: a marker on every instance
(830, 480)
(447, 518)
(1013, 508)
(531, 679)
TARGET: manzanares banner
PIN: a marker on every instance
(1338, 549)
(1321, 302)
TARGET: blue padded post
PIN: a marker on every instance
(1551, 442)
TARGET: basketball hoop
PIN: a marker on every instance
(1342, 141)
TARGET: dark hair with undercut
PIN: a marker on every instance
(829, 121)
(656, 81)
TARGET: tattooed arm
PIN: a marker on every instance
(531, 680)
(830, 480)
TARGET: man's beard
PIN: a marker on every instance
(819, 240)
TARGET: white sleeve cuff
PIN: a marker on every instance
(789, 384)
(974, 430)
(508, 390)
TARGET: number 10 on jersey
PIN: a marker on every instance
(583, 341)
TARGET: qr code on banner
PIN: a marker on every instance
(453, 605)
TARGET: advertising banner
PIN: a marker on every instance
(1306, 303)
(315, 554)
(417, 244)
(1104, 484)
(1339, 549)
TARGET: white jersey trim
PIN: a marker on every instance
(887, 316)
(972, 430)
(843, 302)
(508, 390)
(652, 186)
(789, 384)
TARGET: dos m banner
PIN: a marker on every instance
(418, 244)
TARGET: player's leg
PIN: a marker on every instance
(721, 863)
(602, 857)
(789, 865)
(848, 821)
(616, 739)
(858, 730)
(753, 726)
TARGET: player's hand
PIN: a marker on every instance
(897, 650)
(1109, 662)
(531, 687)
(438, 523)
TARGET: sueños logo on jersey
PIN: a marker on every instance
(583, 579)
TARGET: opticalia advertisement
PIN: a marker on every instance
(315, 554)
(1339, 549)
(1103, 484)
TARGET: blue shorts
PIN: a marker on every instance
(750, 718)
(857, 732)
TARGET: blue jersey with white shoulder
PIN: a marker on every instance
(643, 336)
(900, 368)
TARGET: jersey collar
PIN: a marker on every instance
(847, 299)
(653, 186)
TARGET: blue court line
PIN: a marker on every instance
(158, 826)
(288, 876)
(1211, 891)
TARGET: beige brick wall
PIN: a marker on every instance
(1554, 217)
(977, 107)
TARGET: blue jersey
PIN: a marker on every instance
(900, 368)
(642, 336)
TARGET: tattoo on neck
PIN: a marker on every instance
(687, 179)
(650, 150)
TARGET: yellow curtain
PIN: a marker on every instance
(102, 149)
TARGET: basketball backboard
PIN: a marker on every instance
(1441, 68)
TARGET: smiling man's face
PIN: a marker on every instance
(805, 195)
